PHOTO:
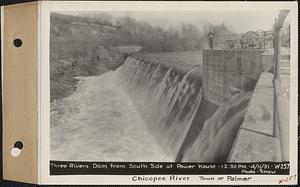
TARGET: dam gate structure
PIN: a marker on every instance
(229, 78)
(226, 72)
(194, 111)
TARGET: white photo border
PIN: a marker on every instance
(46, 7)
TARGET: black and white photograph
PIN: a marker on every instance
(150, 92)
(170, 86)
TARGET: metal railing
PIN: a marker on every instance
(253, 39)
(259, 39)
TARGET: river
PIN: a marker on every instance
(99, 122)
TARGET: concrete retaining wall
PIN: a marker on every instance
(258, 139)
(226, 72)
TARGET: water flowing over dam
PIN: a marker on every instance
(166, 98)
(215, 140)
(189, 123)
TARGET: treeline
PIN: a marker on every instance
(128, 31)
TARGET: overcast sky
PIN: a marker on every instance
(238, 21)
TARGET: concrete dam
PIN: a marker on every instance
(194, 110)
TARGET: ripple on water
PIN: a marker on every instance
(99, 122)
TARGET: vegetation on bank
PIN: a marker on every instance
(89, 44)
(116, 31)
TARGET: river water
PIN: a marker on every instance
(100, 123)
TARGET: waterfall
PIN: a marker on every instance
(166, 98)
(187, 127)
(215, 141)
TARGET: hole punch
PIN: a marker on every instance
(18, 145)
(17, 149)
(18, 42)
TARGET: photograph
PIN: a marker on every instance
(150, 92)
(170, 86)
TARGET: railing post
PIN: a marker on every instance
(277, 51)
(279, 116)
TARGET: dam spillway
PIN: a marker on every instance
(166, 97)
(157, 110)
(193, 115)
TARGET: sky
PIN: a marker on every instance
(238, 21)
